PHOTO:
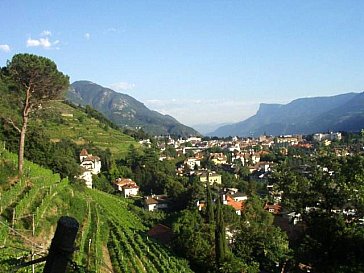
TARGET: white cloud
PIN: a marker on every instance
(122, 86)
(46, 33)
(5, 48)
(42, 42)
(87, 36)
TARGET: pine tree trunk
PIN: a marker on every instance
(25, 116)
(21, 146)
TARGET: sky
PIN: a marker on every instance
(201, 61)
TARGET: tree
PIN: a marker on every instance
(220, 237)
(209, 204)
(37, 80)
(258, 241)
(193, 240)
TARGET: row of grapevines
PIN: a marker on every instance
(128, 229)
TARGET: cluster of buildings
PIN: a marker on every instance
(247, 152)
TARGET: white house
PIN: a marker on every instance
(90, 165)
(90, 162)
(127, 186)
(192, 163)
(156, 202)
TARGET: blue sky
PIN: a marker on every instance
(199, 61)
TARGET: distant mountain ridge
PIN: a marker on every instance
(343, 112)
(124, 110)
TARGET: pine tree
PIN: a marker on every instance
(38, 81)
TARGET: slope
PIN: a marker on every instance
(60, 120)
(124, 110)
(66, 121)
(110, 238)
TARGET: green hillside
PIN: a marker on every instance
(110, 239)
(61, 120)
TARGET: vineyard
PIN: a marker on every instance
(111, 238)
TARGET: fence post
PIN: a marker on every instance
(62, 246)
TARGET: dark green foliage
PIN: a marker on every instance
(61, 157)
(209, 205)
(194, 240)
(220, 236)
(333, 242)
(102, 183)
(258, 242)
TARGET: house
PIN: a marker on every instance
(192, 162)
(212, 177)
(273, 208)
(218, 158)
(230, 201)
(127, 186)
(90, 162)
(239, 197)
(156, 202)
(90, 165)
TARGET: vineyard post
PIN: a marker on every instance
(88, 253)
(62, 246)
(13, 221)
(33, 233)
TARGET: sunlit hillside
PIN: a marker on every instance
(110, 238)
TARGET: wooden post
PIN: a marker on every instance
(62, 246)
(33, 234)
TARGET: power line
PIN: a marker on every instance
(23, 236)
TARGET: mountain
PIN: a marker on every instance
(124, 110)
(302, 116)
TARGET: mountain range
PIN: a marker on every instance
(124, 110)
(343, 112)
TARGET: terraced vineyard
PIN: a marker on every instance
(110, 239)
(72, 123)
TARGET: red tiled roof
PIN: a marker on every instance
(84, 152)
(237, 205)
(161, 233)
